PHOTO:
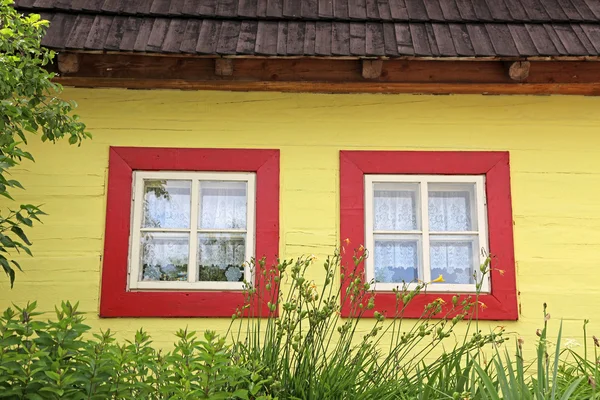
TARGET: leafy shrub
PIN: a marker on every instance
(52, 360)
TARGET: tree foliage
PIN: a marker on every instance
(29, 104)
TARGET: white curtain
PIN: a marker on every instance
(453, 260)
(221, 256)
(395, 210)
(449, 211)
(396, 260)
(167, 204)
(223, 205)
(164, 256)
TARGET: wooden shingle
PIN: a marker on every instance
(325, 28)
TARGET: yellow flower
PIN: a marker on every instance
(312, 257)
(440, 300)
(501, 272)
(347, 241)
(482, 305)
(439, 279)
(361, 248)
(313, 286)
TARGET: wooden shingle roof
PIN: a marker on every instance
(325, 28)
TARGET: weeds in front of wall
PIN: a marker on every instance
(308, 351)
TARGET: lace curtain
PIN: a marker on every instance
(167, 204)
(223, 205)
(220, 255)
(397, 259)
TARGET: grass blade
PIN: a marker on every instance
(489, 385)
(556, 356)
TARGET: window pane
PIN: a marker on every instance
(223, 205)
(451, 208)
(221, 257)
(166, 204)
(454, 258)
(395, 206)
(164, 256)
(396, 260)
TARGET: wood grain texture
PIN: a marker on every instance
(449, 28)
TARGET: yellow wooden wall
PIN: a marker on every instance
(554, 144)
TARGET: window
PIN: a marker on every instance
(192, 230)
(421, 226)
(425, 214)
(180, 226)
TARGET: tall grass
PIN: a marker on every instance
(310, 352)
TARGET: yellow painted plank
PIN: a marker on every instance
(553, 142)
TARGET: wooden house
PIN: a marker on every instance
(433, 132)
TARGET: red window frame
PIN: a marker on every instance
(115, 299)
(502, 301)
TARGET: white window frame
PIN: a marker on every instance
(134, 267)
(424, 234)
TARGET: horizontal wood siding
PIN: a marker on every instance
(554, 150)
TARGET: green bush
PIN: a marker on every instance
(52, 360)
(307, 352)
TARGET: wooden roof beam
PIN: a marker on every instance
(371, 69)
(68, 63)
(223, 66)
(518, 71)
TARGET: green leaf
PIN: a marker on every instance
(556, 361)
(24, 220)
(19, 232)
(241, 393)
(487, 382)
(53, 375)
(571, 389)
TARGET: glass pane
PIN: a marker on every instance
(164, 256)
(395, 207)
(451, 207)
(396, 260)
(166, 204)
(454, 258)
(221, 257)
(222, 205)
